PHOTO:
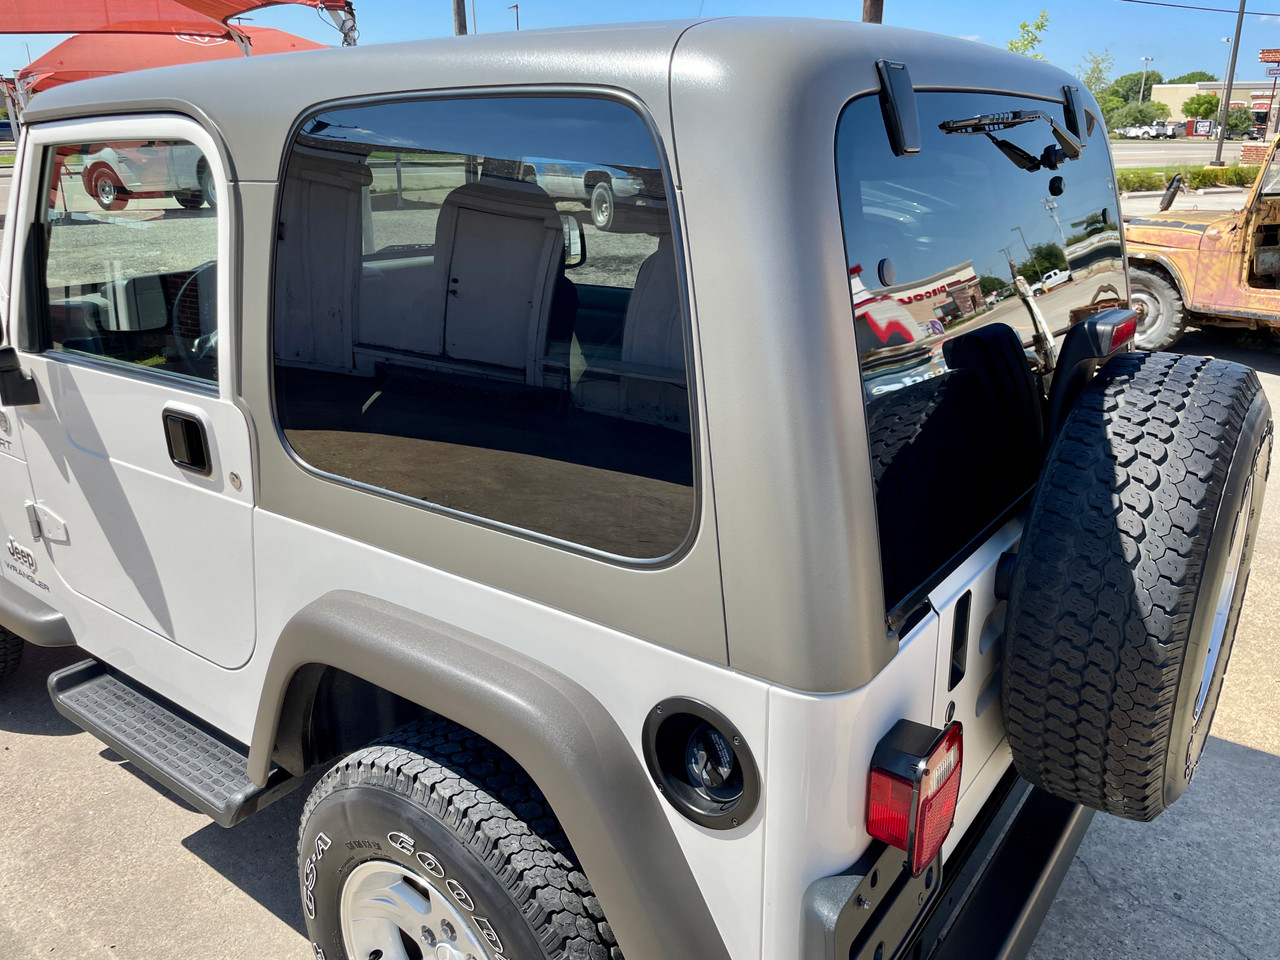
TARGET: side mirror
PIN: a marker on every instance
(17, 388)
(575, 241)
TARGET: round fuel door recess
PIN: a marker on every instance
(701, 763)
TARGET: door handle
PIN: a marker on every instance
(188, 444)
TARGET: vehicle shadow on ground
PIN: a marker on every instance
(1199, 881)
(27, 708)
(260, 855)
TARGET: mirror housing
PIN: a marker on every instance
(575, 241)
(17, 388)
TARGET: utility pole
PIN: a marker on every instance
(1226, 87)
(873, 11)
(1052, 207)
(1143, 87)
(459, 18)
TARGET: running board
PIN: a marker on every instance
(202, 766)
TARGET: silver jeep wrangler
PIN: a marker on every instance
(726, 566)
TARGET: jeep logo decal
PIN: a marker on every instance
(22, 554)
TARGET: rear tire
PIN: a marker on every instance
(438, 826)
(1162, 315)
(208, 187)
(1130, 578)
(105, 188)
(603, 206)
(11, 647)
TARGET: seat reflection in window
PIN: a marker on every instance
(467, 362)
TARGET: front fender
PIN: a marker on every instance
(561, 734)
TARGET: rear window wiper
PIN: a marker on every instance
(1068, 148)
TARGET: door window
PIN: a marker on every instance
(129, 233)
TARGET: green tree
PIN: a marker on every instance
(1136, 115)
(1094, 71)
(1203, 106)
(1044, 257)
(1195, 76)
(1239, 119)
(1128, 86)
(1029, 38)
(988, 283)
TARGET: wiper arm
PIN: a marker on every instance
(1069, 148)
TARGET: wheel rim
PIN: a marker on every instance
(600, 206)
(390, 913)
(1226, 596)
(106, 190)
(1147, 307)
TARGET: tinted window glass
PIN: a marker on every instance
(131, 274)
(933, 242)
(477, 307)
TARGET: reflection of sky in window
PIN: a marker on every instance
(960, 198)
(508, 127)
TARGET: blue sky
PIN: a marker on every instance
(1179, 40)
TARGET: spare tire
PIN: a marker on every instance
(1129, 580)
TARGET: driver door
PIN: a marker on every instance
(139, 459)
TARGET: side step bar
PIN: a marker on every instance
(202, 766)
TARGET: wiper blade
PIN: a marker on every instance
(1069, 148)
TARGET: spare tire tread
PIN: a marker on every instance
(1092, 671)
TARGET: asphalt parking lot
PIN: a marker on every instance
(97, 862)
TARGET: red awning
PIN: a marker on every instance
(206, 18)
(101, 54)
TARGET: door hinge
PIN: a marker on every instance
(33, 518)
(45, 524)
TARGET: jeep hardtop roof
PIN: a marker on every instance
(246, 98)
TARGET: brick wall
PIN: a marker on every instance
(1253, 153)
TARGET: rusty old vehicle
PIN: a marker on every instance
(1201, 267)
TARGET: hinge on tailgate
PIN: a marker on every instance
(33, 518)
(45, 524)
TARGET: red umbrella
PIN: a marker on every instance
(101, 54)
(205, 18)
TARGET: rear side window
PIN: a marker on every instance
(933, 243)
(130, 232)
(477, 308)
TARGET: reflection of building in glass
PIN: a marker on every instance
(948, 296)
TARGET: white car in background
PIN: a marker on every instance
(114, 174)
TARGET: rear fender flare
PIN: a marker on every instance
(561, 734)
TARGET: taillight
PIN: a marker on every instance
(1122, 334)
(914, 786)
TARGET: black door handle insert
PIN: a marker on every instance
(188, 445)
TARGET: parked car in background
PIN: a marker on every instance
(6, 131)
(603, 188)
(1196, 268)
(1150, 131)
(112, 174)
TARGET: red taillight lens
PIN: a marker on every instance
(1122, 334)
(889, 809)
(914, 786)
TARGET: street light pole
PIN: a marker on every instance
(516, 8)
(1143, 87)
(1226, 92)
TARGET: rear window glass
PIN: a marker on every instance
(933, 242)
(478, 308)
